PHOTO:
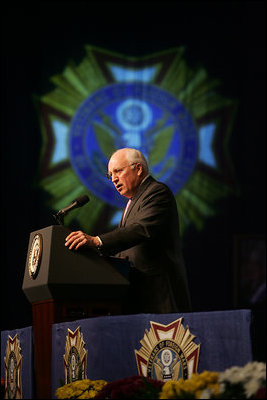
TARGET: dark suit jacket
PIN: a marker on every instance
(149, 238)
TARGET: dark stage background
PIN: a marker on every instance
(228, 38)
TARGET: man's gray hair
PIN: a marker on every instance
(135, 156)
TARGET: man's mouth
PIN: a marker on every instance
(119, 187)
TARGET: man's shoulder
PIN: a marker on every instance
(158, 183)
(153, 185)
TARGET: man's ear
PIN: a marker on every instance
(139, 169)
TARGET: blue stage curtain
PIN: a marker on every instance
(110, 341)
(26, 345)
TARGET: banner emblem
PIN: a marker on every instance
(75, 357)
(116, 115)
(13, 364)
(168, 352)
(157, 104)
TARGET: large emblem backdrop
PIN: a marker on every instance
(173, 113)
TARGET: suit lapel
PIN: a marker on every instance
(135, 198)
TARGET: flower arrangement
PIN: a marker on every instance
(80, 389)
(243, 382)
(247, 382)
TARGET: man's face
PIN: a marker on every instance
(125, 177)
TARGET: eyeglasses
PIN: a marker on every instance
(118, 171)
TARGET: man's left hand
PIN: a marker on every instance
(78, 238)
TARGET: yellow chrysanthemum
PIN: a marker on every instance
(82, 389)
(193, 386)
(169, 390)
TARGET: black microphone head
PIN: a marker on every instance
(81, 200)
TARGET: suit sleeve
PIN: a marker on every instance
(146, 221)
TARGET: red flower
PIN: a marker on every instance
(261, 393)
(132, 387)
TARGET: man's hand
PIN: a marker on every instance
(77, 239)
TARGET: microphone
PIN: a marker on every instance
(79, 202)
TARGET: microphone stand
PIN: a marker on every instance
(80, 201)
(59, 218)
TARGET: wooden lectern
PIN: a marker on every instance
(64, 285)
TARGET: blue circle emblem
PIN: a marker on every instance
(135, 115)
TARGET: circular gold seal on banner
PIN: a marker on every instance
(35, 255)
(168, 352)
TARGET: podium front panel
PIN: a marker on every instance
(64, 273)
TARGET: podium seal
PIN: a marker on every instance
(35, 256)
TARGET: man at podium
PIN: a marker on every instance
(148, 236)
